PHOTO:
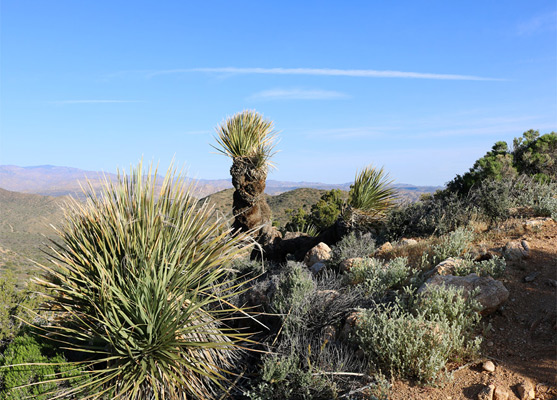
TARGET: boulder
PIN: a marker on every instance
(500, 394)
(516, 250)
(407, 242)
(318, 254)
(491, 293)
(526, 390)
(448, 266)
(349, 263)
(317, 267)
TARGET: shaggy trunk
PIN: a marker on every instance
(249, 206)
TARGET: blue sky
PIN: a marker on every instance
(423, 88)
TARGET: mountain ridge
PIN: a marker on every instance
(52, 180)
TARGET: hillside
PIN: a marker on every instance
(25, 229)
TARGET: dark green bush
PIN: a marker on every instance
(22, 350)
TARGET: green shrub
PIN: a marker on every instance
(494, 267)
(438, 214)
(14, 305)
(139, 290)
(377, 276)
(353, 245)
(417, 343)
(23, 350)
(294, 286)
(455, 244)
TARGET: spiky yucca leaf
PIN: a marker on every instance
(372, 192)
(139, 291)
(248, 136)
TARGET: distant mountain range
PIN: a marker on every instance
(49, 180)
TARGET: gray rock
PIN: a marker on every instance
(318, 254)
(516, 250)
(491, 293)
(531, 276)
(317, 267)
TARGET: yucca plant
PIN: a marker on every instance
(139, 292)
(249, 137)
(249, 140)
(372, 193)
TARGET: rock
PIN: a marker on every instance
(531, 276)
(536, 223)
(349, 263)
(500, 394)
(407, 242)
(318, 254)
(516, 250)
(385, 247)
(526, 390)
(349, 325)
(491, 293)
(318, 266)
(481, 253)
(448, 266)
(488, 366)
(486, 393)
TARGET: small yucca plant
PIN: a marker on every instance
(247, 136)
(372, 193)
(139, 291)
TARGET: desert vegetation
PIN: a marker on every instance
(151, 295)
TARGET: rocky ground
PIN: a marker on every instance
(519, 359)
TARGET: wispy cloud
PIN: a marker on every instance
(357, 73)
(94, 101)
(538, 24)
(297, 94)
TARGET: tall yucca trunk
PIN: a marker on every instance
(249, 206)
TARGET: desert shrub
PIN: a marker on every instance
(417, 343)
(436, 214)
(450, 305)
(141, 279)
(494, 267)
(301, 357)
(377, 276)
(353, 245)
(454, 244)
(305, 366)
(547, 207)
(295, 283)
(48, 366)
(15, 304)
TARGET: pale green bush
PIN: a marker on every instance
(376, 276)
(417, 343)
